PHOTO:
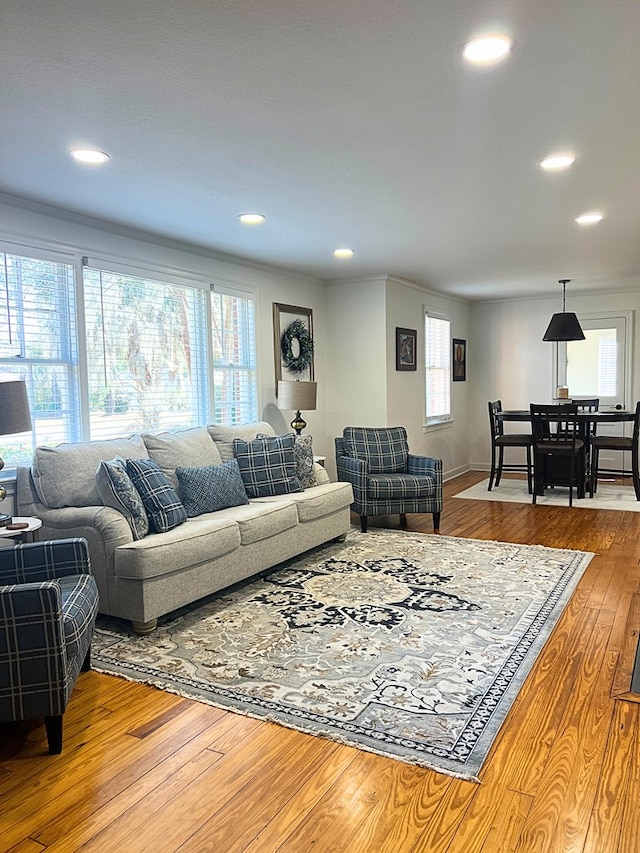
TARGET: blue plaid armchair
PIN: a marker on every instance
(386, 478)
(48, 607)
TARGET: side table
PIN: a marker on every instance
(24, 534)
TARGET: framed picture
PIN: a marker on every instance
(293, 343)
(406, 340)
(459, 360)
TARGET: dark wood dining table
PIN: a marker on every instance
(585, 419)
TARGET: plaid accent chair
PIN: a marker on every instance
(385, 477)
(48, 607)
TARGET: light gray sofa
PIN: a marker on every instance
(143, 579)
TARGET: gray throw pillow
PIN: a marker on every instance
(209, 488)
(303, 452)
(267, 466)
(117, 490)
(160, 500)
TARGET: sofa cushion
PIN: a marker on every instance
(117, 490)
(267, 465)
(160, 500)
(317, 502)
(66, 475)
(188, 448)
(303, 452)
(384, 449)
(223, 435)
(211, 487)
(259, 521)
(198, 541)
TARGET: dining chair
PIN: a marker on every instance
(501, 439)
(558, 451)
(616, 442)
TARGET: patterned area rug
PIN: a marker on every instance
(515, 491)
(409, 645)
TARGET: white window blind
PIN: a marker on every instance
(234, 356)
(438, 369)
(38, 343)
(146, 354)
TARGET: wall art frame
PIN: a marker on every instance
(293, 345)
(459, 359)
(406, 347)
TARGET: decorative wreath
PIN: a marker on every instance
(296, 331)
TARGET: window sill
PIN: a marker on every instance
(436, 425)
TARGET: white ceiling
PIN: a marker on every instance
(347, 123)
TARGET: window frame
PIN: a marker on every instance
(445, 417)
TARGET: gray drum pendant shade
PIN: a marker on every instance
(564, 326)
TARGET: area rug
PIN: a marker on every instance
(515, 491)
(409, 645)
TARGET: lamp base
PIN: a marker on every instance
(4, 519)
(298, 424)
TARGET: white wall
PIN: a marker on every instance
(512, 363)
(365, 387)
(29, 225)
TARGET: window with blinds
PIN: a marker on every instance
(438, 369)
(38, 343)
(146, 354)
(234, 356)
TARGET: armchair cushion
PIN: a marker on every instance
(384, 449)
(399, 486)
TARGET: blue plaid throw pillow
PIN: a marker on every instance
(267, 465)
(158, 495)
(211, 487)
(303, 452)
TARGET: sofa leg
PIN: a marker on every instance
(53, 725)
(86, 663)
(363, 523)
(403, 519)
(436, 522)
(144, 628)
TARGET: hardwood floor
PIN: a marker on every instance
(145, 770)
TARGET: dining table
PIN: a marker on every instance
(584, 418)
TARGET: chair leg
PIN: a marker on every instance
(363, 523)
(492, 473)
(635, 472)
(594, 470)
(529, 470)
(436, 522)
(86, 663)
(500, 464)
(53, 725)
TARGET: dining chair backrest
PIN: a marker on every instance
(554, 423)
(497, 427)
(588, 404)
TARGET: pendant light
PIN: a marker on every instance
(564, 326)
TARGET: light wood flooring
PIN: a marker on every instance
(142, 770)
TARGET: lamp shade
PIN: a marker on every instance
(564, 327)
(14, 407)
(297, 396)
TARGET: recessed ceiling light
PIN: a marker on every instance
(556, 162)
(89, 155)
(343, 253)
(251, 218)
(486, 50)
(589, 218)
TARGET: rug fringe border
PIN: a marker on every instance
(270, 718)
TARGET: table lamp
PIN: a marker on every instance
(296, 396)
(14, 417)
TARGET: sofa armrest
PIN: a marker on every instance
(38, 562)
(322, 475)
